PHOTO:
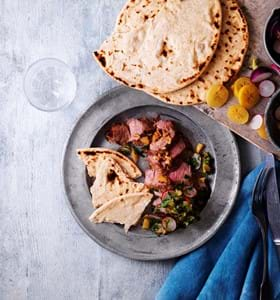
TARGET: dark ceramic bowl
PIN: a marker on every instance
(270, 121)
(269, 39)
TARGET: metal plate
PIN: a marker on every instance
(121, 103)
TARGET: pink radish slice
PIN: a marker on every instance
(156, 193)
(275, 68)
(277, 113)
(191, 192)
(169, 224)
(157, 202)
(266, 88)
(260, 74)
(256, 122)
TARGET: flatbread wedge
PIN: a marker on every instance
(111, 182)
(91, 155)
(226, 62)
(125, 210)
(161, 45)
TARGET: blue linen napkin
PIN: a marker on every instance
(229, 266)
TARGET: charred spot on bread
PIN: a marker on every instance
(100, 58)
(217, 25)
(201, 66)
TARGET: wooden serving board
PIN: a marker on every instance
(257, 12)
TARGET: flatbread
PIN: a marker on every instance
(161, 45)
(111, 182)
(90, 156)
(226, 62)
(126, 210)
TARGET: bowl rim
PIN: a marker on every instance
(268, 106)
(274, 11)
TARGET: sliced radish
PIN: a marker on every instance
(169, 224)
(256, 122)
(157, 202)
(156, 193)
(260, 74)
(275, 68)
(191, 192)
(277, 113)
(267, 88)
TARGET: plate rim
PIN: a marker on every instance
(118, 89)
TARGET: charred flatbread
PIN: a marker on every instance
(161, 45)
(125, 210)
(226, 62)
(91, 155)
(111, 182)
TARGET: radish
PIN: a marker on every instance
(191, 192)
(275, 68)
(277, 113)
(266, 88)
(157, 202)
(260, 74)
(256, 122)
(169, 224)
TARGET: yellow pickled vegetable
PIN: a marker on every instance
(238, 114)
(146, 223)
(134, 155)
(199, 147)
(162, 178)
(145, 140)
(238, 84)
(249, 96)
(262, 132)
(202, 179)
(217, 95)
(205, 168)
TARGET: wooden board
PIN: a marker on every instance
(257, 13)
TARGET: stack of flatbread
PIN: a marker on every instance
(116, 197)
(176, 49)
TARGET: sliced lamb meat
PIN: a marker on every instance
(153, 160)
(119, 134)
(136, 128)
(159, 160)
(163, 136)
(148, 124)
(160, 144)
(166, 126)
(178, 148)
(179, 175)
(155, 179)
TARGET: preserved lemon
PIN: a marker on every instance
(217, 95)
(238, 84)
(249, 96)
(262, 132)
(238, 114)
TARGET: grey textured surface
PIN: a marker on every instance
(43, 252)
(123, 103)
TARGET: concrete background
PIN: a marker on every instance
(43, 252)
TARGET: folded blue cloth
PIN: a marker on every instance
(229, 266)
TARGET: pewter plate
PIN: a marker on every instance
(121, 103)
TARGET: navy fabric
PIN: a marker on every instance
(229, 265)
